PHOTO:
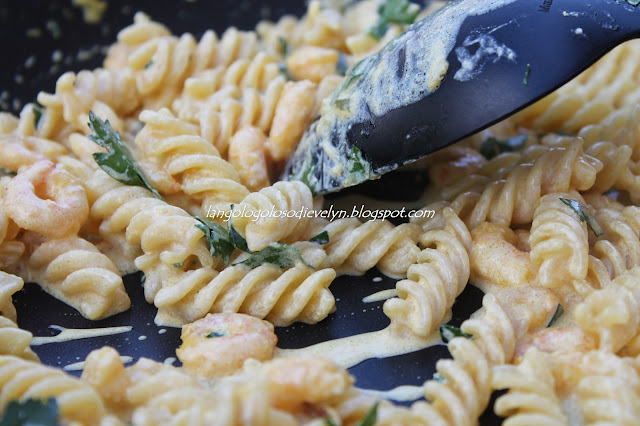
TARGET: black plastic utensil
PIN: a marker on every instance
(507, 54)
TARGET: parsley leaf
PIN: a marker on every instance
(179, 264)
(237, 240)
(556, 315)
(118, 161)
(330, 422)
(37, 115)
(7, 172)
(215, 334)
(448, 332)
(370, 418)
(31, 412)
(217, 238)
(148, 64)
(584, 215)
(279, 254)
(393, 11)
(321, 238)
(491, 147)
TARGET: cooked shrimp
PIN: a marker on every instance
(305, 382)
(218, 344)
(46, 199)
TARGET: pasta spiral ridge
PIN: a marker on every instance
(202, 174)
(466, 388)
(260, 225)
(21, 380)
(532, 398)
(434, 281)
(74, 271)
(267, 292)
(515, 198)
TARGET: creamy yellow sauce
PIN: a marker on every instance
(350, 351)
(68, 334)
(400, 393)
(380, 295)
(77, 366)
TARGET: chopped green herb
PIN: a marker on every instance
(31, 412)
(237, 240)
(492, 147)
(148, 64)
(143, 279)
(342, 104)
(438, 377)
(393, 11)
(118, 161)
(179, 264)
(329, 422)
(448, 332)
(358, 169)
(216, 334)
(279, 254)
(584, 215)
(284, 46)
(371, 417)
(217, 237)
(282, 67)
(37, 115)
(7, 172)
(525, 80)
(321, 238)
(556, 315)
(342, 66)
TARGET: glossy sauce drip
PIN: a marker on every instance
(350, 351)
(67, 334)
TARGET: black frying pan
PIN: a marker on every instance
(37, 310)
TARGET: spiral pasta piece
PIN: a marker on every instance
(612, 315)
(73, 270)
(466, 388)
(607, 392)
(13, 340)
(559, 245)
(203, 88)
(532, 397)
(355, 247)
(21, 380)
(201, 172)
(590, 97)
(434, 281)
(267, 292)
(275, 213)
(514, 199)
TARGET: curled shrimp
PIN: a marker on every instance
(304, 383)
(218, 344)
(46, 199)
